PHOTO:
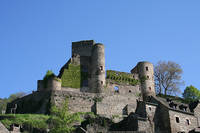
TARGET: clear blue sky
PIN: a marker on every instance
(36, 35)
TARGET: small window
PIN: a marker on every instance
(187, 122)
(147, 77)
(177, 120)
(116, 89)
(129, 91)
(147, 69)
(150, 88)
(149, 108)
(101, 68)
(101, 82)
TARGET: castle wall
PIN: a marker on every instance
(37, 102)
(123, 89)
(182, 126)
(77, 101)
(116, 104)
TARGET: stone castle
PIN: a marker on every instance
(89, 87)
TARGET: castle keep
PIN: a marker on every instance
(89, 87)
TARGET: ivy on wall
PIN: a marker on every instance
(73, 77)
(121, 77)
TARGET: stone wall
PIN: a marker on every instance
(103, 104)
(197, 114)
(144, 125)
(116, 104)
(77, 101)
(37, 102)
(182, 125)
(162, 121)
(123, 89)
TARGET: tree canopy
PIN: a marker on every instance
(191, 93)
(168, 77)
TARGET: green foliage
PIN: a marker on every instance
(121, 77)
(47, 76)
(73, 77)
(191, 93)
(29, 120)
(61, 121)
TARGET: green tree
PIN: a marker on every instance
(61, 121)
(191, 93)
(168, 77)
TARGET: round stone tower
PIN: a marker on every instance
(97, 82)
(146, 74)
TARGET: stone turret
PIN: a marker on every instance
(51, 84)
(146, 75)
(97, 69)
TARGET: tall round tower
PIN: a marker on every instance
(97, 82)
(146, 74)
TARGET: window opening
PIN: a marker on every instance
(101, 82)
(129, 91)
(177, 120)
(149, 88)
(188, 122)
(116, 89)
(147, 69)
(147, 77)
(150, 108)
(101, 68)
